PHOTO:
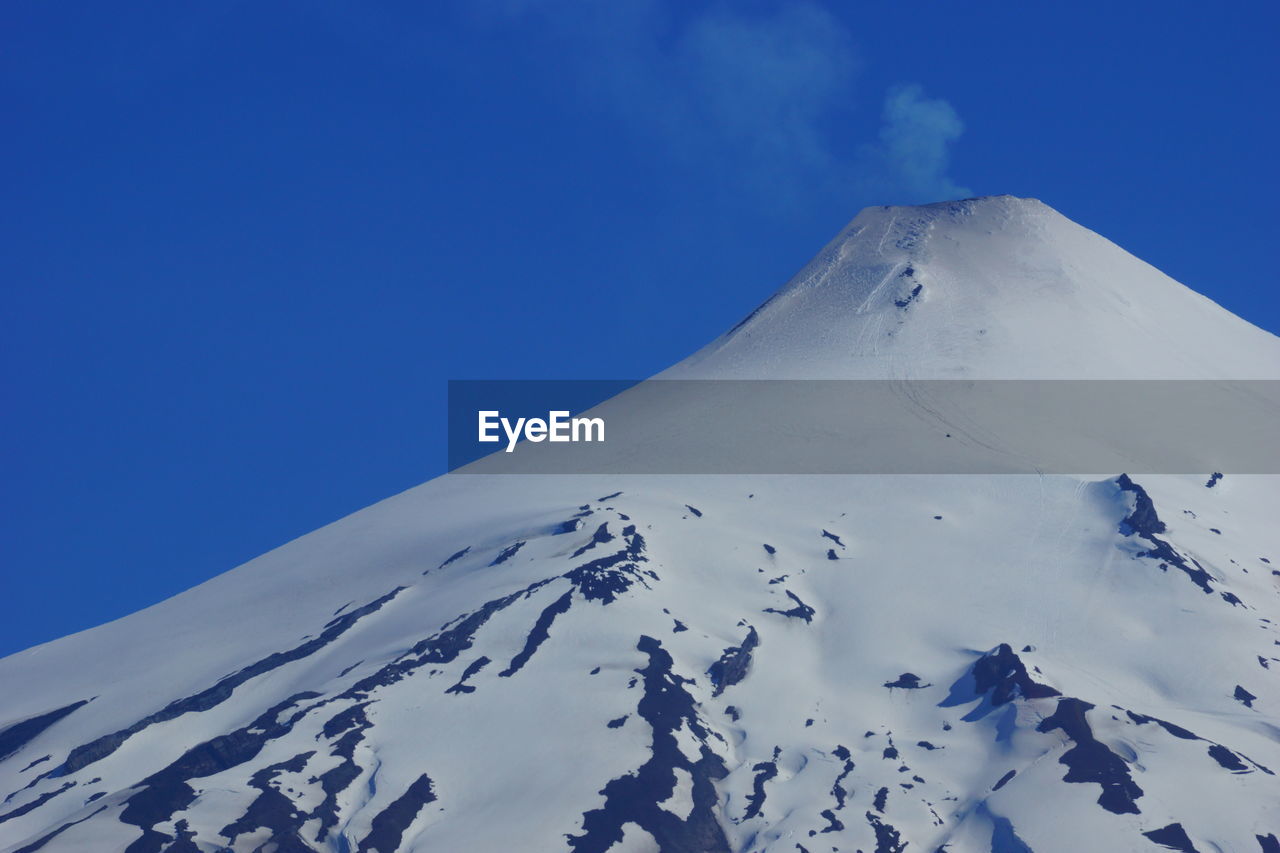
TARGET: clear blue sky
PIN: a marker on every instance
(245, 243)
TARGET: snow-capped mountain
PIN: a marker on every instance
(736, 663)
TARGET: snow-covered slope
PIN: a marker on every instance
(992, 288)
(676, 663)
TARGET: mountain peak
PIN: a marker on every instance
(685, 663)
(1005, 204)
(991, 287)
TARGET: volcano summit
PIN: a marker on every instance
(737, 663)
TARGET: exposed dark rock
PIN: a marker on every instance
(167, 791)
(40, 842)
(634, 797)
(837, 788)
(800, 611)
(1172, 837)
(88, 753)
(605, 578)
(1003, 838)
(909, 298)
(472, 668)
(348, 726)
(42, 759)
(1090, 760)
(453, 558)
(185, 840)
(388, 826)
(888, 839)
(1176, 731)
(1144, 522)
(764, 771)
(1001, 674)
(600, 537)
(732, 666)
(36, 803)
(1225, 757)
(538, 634)
(998, 677)
(20, 734)
(443, 647)
(271, 808)
(507, 553)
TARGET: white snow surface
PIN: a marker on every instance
(595, 688)
(1010, 289)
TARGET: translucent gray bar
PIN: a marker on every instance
(899, 427)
